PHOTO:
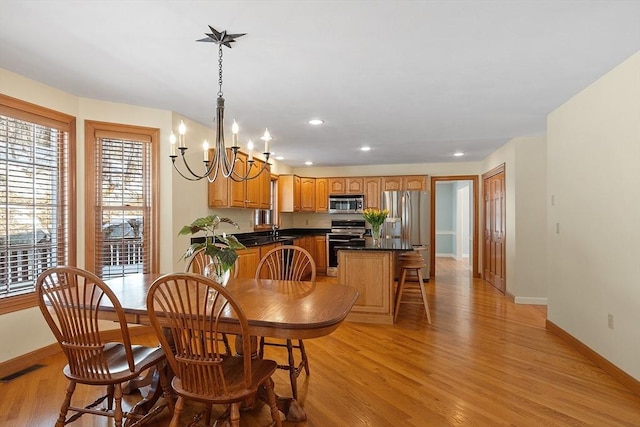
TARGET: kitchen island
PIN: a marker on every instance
(371, 270)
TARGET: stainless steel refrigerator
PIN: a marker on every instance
(410, 219)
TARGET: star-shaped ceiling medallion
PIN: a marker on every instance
(220, 37)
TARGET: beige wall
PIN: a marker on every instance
(594, 180)
(525, 196)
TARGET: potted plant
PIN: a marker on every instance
(221, 248)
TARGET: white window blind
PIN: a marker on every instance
(123, 212)
(34, 201)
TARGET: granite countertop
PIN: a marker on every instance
(381, 245)
(260, 238)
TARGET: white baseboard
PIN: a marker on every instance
(530, 300)
(444, 255)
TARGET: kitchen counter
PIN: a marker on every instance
(261, 238)
(382, 245)
(371, 270)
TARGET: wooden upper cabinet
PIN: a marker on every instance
(265, 188)
(372, 192)
(355, 185)
(414, 182)
(337, 186)
(392, 183)
(308, 194)
(289, 193)
(406, 182)
(225, 192)
(253, 186)
(322, 194)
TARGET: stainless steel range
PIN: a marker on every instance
(344, 233)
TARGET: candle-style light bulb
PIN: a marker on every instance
(250, 148)
(182, 129)
(205, 148)
(172, 141)
(266, 138)
(234, 132)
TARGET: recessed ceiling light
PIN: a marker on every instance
(365, 148)
(458, 153)
(316, 122)
(308, 163)
(279, 158)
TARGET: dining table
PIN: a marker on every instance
(274, 309)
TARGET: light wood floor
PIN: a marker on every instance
(484, 361)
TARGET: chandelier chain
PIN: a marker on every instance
(220, 70)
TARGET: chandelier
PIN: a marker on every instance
(223, 160)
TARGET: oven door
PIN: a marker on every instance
(334, 242)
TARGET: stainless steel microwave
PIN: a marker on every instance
(348, 203)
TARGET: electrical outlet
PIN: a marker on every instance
(306, 222)
(610, 320)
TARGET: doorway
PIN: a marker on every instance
(456, 236)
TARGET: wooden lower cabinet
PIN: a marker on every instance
(321, 254)
(248, 260)
(371, 273)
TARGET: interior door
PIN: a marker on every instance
(494, 229)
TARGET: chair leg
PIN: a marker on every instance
(65, 404)
(423, 291)
(271, 401)
(403, 275)
(166, 386)
(303, 354)
(117, 397)
(176, 412)
(110, 397)
(235, 414)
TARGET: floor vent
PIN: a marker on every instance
(20, 373)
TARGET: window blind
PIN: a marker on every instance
(123, 214)
(34, 202)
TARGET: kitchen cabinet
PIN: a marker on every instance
(337, 186)
(289, 193)
(227, 193)
(248, 260)
(372, 192)
(265, 189)
(392, 183)
(354, 185)
(320, 254)
(414, 182)
(251, 194)
(307, 194)
(404, 183)
(322, 194)
(264, 249)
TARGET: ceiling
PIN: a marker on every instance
(414, 80)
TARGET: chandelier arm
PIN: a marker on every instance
(239, 178)
(208, 167)
(189, 178)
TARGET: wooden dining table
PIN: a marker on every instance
(274, 308)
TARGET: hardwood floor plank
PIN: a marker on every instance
(484, 361)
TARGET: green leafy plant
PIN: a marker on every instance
(222, 247)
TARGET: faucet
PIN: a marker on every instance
(274, 230)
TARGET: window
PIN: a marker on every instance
(36, 197)
(121, 200)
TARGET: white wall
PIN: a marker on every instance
(594, 179)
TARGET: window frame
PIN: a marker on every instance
(93, 131)
(43, 116)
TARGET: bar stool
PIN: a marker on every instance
(411, 262)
